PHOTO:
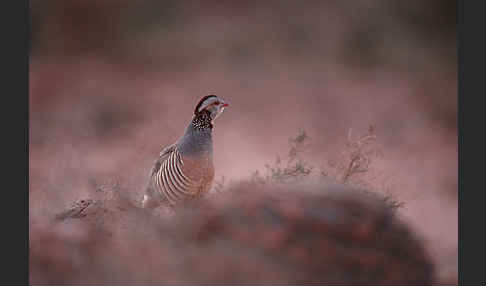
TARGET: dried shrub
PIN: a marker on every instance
(291, 168)
(356, 156)
(354, 166)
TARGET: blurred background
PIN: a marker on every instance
(111, 82)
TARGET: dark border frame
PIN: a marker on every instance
(15, 152)
(469, 49)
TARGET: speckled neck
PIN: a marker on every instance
(197, 140)
(202, 121)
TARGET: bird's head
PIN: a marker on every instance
(211, 104)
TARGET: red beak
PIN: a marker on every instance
(225, 105)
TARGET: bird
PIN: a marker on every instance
(184, 170)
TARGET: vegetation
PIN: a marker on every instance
(354, 166)
(290, 168)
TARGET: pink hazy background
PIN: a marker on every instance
(113, 82)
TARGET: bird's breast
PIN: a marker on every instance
(198, 169)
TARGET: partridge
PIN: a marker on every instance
(185, 170)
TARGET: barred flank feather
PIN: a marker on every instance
(171, 181)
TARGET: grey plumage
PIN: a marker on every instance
(184, 170)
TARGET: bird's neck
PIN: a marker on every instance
(202, 121)
(197, 140)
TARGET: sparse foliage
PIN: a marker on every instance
(355, 158)
(353, 166)
(289, 169)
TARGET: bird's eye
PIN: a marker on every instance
(216, 103)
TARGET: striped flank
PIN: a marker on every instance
(171, 181)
